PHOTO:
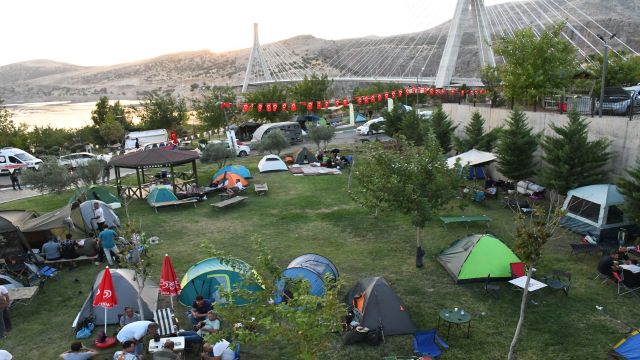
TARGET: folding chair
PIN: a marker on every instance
(490, 289)
(41, 274)
(424, 343)
(518, 269)
(167, 323)
(559, 280)
(622, 286)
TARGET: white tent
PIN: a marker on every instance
(471, 158)
(271, 162)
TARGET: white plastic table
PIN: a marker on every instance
(178, 344)
(533, 283)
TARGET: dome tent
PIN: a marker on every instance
(205, 278)
(310, 267)
(271, 163)
(304, 156)
(160, 194)
(236, 169)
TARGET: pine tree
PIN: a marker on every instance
(516, 148)
(630, 188)
(415, 128)
(475, 137)
(442, 128)
(571, 160)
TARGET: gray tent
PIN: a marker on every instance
(380, 307)
(304, 156)
(12, 241)
(126, 290)
(87, 212)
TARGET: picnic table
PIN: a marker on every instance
(455, 316)
(233, 200)
(464, 219)
(23, 295)
(533, 283)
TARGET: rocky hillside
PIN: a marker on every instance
(44, 80)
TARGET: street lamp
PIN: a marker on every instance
(604, 70)
(418, 86)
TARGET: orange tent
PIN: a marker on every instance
(231, 179)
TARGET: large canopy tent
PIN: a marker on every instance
(127, 289)
(475, 257)
(150, 159)
(380, 307)
(313, 268)
(12, 240)
(475, 160)
(595, 210)
(207, 276)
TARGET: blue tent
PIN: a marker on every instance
(159, 195)
(206, 277)
(629, 347)
(310, 267)
(476, 173)
(236, 169)
(360, 118)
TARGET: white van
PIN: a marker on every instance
(14, 156)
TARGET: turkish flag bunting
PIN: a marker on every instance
(169, 284)
(268, 107)
(106, 295)
(373, 98)
(274, 107)
(337, 103)
(293, 107)
(432, 91)
(386, 95)
(326, 104)
(309, 106)
(359, 100)
(345, 102)
(366, 99)
(245, 107)
(318, 104)
(400, 92)
(379, 97)
(259, 107)
(227, 105)
(222, 106)
(413, 89)
(284, 106)
(393, 94)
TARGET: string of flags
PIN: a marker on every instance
(359, 100)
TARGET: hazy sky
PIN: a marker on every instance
(92, 32)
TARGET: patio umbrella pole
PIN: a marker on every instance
(105, 321)
(171, 299)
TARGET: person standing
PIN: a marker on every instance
(15, 181)
(98, 216)
(108, 242)
(140, 332)
(137, 144)
(106, 172)
(5, 319)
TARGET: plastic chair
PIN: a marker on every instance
(518, 269)
(424, 343)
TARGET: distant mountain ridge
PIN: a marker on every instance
(46, 80)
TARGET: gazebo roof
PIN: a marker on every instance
(154, 157)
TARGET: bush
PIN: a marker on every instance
(274, 141)
(91, 173)
(50, 177)
(320, 134)
(216, 153)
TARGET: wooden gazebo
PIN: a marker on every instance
(154, 159)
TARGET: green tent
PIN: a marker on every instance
(474, 257)
(97, 192)
(159, 195)
(207, 276)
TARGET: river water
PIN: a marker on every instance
(57, 114)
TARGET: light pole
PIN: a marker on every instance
(604, 70)
(418, 86)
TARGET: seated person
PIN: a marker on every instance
(51, 249)
(490, 187)
(128, 317)
(166, 353)
(78, 352)
(219, 351)
(127, 352)
(320, 156)
(345, 160)
(607, 264)
(209, 325)
(90, 246)
(234, 190)
(199, 309)
(69, 248)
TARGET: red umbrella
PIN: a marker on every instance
(106, 295)
(169, 284)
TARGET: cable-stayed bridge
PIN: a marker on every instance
(432, 57)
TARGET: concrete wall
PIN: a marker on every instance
(623, 134)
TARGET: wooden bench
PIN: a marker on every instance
(261, 189)
(233, 200)
(156, 206)
(464, 219)
(69, 261)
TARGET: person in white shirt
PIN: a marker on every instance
(5, 355)
(136, 331)
(5, 319)
(222, 351)
(98, 215)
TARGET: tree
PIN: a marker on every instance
(216, 153)
(91, 173)
(267, 95)
(99, 113)
(163, 111)
(442, 128)
(301, 328)
(319, 134)
(208, 109)
(475, 137)
(535, 66)
(622, 70)
(393, 120)
(274, 141)
(415, 128)
(111, 130)
(570, 159)
(10, 133)
(50, 177)
(414, 180)
(630, 188)
(516, 148)
(532, 233)
(492, 83)
(311, 89)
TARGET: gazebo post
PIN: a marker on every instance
(144, 181)
(139, 185)
(173, 179)
(195, 171)
(116, 170)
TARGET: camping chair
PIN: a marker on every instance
(167, 322)
(490, 289)
(41, 274)
(559, 280)
(15, 266)
(424, 343)
(518, 269)
(622, 285)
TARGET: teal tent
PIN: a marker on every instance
(236, 169)
(207, 276)
(97, 192)
(159, 195)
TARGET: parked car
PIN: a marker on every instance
(80, 159)
(241, 150)
(618, 100)
(373, 126)
(14, 157)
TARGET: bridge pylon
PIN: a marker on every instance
(256, 56)
(468, 12)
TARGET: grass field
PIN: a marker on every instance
(315, 214)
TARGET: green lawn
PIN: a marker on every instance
(315, 214)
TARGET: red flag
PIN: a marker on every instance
(366, 99)
(293, 107)
(413, 89)
(173, 137)
(359, 100)
(318, 104)
(386, 95)
(260, 107)
(462, 92)
(227, 105)
(106, 295)
(400, 92)
(483, 91)
(432, 91)
(309, 106)
(284, 106)
(221, 106)
(239, 106)
(326, 104)
(245, 107)
(345, 102)
(419, 89)
(372, 99)
(379, 97)
(268, 107)
(393, 94)
(169, 283)
(406, 91)
(336, 103)
(274, 107)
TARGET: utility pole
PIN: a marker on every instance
(604, 71)
(417, 88)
